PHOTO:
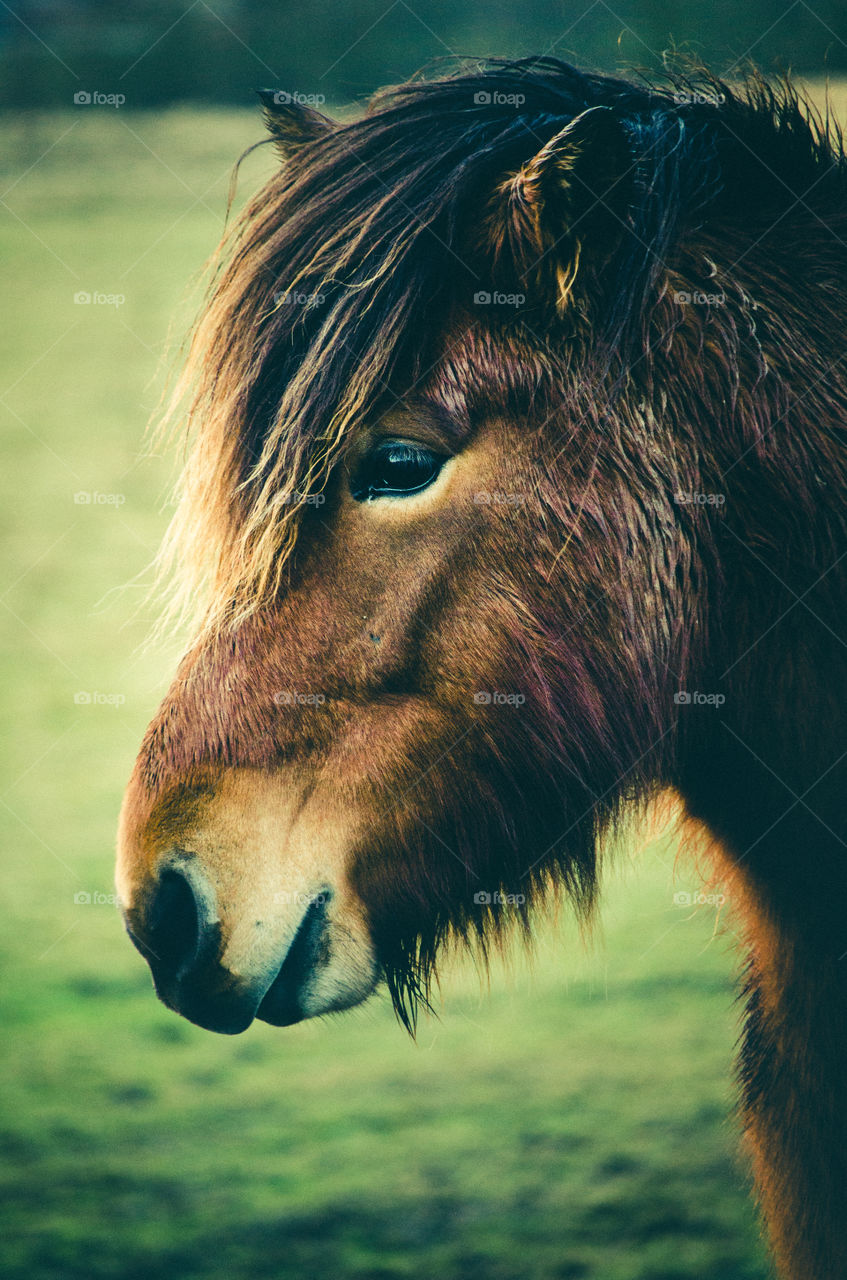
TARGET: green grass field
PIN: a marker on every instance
(573, 1120)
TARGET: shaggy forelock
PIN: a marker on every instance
(374, 223)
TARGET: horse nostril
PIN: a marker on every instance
(173, 922)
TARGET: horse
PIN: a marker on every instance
(514, 499)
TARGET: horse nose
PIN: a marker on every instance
(174, 922)
(174, 927)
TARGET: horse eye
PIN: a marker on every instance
(395, 469)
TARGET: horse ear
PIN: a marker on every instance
(291, 123)
(567, 204)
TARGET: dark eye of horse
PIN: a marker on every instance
(395, 469)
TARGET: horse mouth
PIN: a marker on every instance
(281, 1005)
(208, 995)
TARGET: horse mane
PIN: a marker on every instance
(369, 225)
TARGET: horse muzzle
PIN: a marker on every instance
(249, 915)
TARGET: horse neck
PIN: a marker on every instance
(782, 846)
(794, 1092)
(768, 775)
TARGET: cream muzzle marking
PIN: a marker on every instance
(284, 942)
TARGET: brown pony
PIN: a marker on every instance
(517, 494)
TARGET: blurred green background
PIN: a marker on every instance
(159, 51)
(574, 1119)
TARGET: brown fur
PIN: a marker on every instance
(596, 597)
